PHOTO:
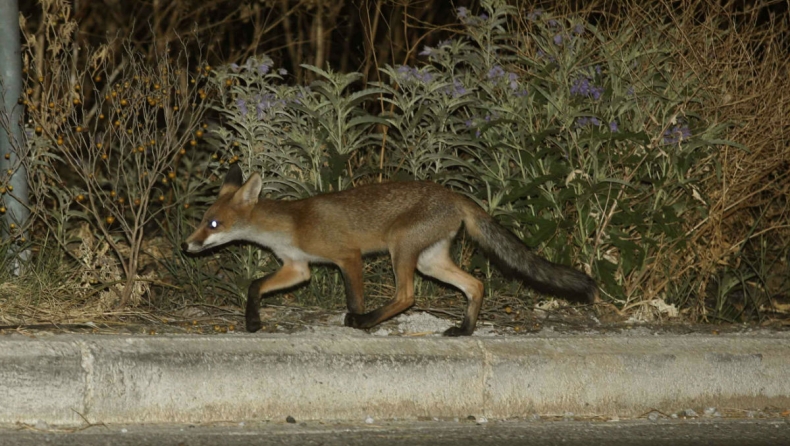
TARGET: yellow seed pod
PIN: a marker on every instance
(79, 129)
(7, 156)
(121, 200)
(110, 220)
(161, 198)
(228, 82)
(183, 151)
(39, 130)
(124, 102)
(186, 205)
(12, 226)
(193, 143)
(104, 156)
(171, 175)
(10, 187)
(97, 78)
(175, 108)
(76, 101)
(99, 145)
(2, 209)
(51, 104)
(80, 198)
(137, 202)
(199, 133)
(113, 193)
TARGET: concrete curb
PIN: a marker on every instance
(136, 379)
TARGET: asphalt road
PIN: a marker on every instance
(536, 433)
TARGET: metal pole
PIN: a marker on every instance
(13, 174)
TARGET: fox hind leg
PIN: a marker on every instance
(436, 262)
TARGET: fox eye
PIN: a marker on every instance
(213, 224)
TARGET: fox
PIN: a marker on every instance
(414, 221)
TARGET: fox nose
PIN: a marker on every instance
(184, 246)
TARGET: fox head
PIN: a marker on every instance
(226, 219)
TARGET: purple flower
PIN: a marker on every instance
(613, 127)
(677, 134)
(282, 71)
(484, 16)
(496, 72)
(242, 106)
(462, 12)
(585, 121)
(535, 14)
(234, 67)
(578, 29)
(426, 51)
(469, 123)
(456, 90)
(552, 22)
(410, 73)
(558, 39)
(598, 70)
(263, 68)
(582, 87)
(630, 91)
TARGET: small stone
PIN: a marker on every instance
(290, 420)
(369, 420)
(690, 413)
(42, 425)
(482, 420)
(653, 416)
(471, 418)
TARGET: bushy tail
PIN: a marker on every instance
(542, 275)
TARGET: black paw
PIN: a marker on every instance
(456, 331)
(253, 325)
(354, 320)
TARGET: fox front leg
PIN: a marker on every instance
(289, 275)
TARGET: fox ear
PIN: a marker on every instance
(249, 192)
(233, 180)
